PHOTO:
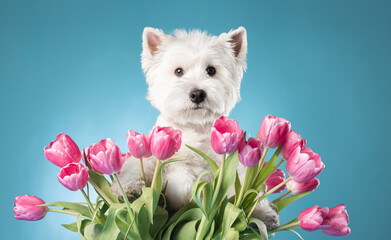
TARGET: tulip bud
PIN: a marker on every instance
(26, 208)
(105, 157)
(165, 142)
(73, 176)
(292, 141)
(226, 135)
(125, 156)
(250, 152)
(277, 177)
(336, 222)
(311, 219)
(139, 145)
(62, 151)
(273, 131)
(303, 165)
(296, 188)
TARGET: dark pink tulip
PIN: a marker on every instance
(26, 208)
(250, 152)
(292, 141)
(273, 131)
(226, 135)
(336, 222)
(165, 142)
(303, 165)
(139, 145)
(296, 188)
(105, 157)
(311, 219)
(62, 151)
(277, 177)
(73, 176)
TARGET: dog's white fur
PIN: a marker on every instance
(193, 52)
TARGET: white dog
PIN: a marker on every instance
(193, 78)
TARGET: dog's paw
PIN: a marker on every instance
(267, 213)
(132, 190)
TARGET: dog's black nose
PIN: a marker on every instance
(197, 96)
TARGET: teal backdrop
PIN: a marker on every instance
(74, 67)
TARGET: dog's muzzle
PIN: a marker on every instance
(197, 96)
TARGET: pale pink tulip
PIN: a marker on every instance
(26, 208)
(336, 222)
(165, 142)
(73, 176)
(311, 219)
(250, 152)
(273, 131)
(303, 165)
(277, 177)
(226, 135)
(139, 144)
(62, 151)
(105, 157)
(292, 141)
(296, 187)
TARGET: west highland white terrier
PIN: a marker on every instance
(193, 78)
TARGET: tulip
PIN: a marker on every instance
(303, 165)
(296, 187)
(336, 222)
(62, 151)
(226, 135)
(292, 141)
(139, 145)
(277, 177)
(273, 131)
(73, 176)
(250, 152)
(311, 219)
(105, 157)
(125, 156)
(165, 142)
(26, 208)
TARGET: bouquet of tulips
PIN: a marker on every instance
(212, 213)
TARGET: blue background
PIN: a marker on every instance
(74, 67)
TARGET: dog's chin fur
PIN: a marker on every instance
(193, 52)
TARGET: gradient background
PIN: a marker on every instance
(74, 67)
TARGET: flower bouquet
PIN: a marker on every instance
(213, 212)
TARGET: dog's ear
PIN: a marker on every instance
(152, 39)
(238, 41)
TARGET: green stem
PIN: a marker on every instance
(285, 227)
(219, 180)
(111, 177)
(282, 196)
(130, 211)
(157, 168)
(101, 193)
(142, 170)
(88, 201)
(242, 189)
(260, 164)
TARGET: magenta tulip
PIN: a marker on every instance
(105, 157)
(62, 151)
(139, 145)
(226, 135)
(277, 177)
(73, 176)
(296, 187)
(273, 131)
(250, 152)
(311, 219)
(26, 208)
(336, 222)
(165, 142)
(303, 165)
(292, 141)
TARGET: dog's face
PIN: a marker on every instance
(193, 77)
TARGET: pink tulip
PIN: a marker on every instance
(73, 176)
(125, 156)
(311, 219)
(250, 152)
(296, 187)
(226, 135)
(105, 157)
(336, 222)
(62, 151)
(292, 141)
(139, 145)
(277, 177)
(273, 131)
(26, 208)
(303, 165)
(165, 142)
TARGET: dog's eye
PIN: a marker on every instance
(179, 72)
(211, 70)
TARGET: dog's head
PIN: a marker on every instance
(194, 77)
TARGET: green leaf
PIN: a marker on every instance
(261, 227)
(110, 229)
(231, 213)
(71, 227)
(281, 204)
(237, 186)
(159, 220)
(123, 221)
(72, 206)
(194, 214)
(80, 226)
(232, 234)
(209, 160)
(92, 230)
(186, 230)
